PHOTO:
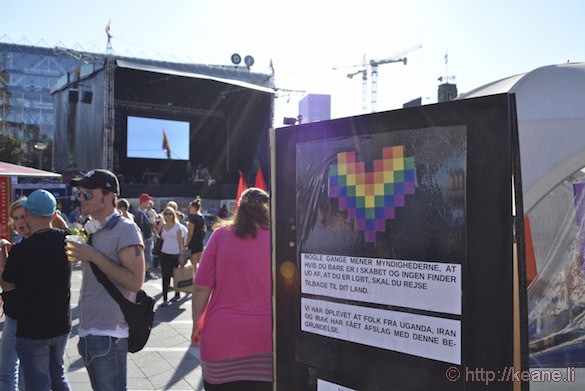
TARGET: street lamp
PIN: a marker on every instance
(41, 146)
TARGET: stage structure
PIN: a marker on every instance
(160, 126)
(397, 261)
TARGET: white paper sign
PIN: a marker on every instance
(418, 335)
(323, 385)
(431, 286)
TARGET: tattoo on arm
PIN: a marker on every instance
(137, 250)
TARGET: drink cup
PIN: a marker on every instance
(76, 239)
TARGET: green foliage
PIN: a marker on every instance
(79, 231)
(10, 150)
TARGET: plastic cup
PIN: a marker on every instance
(76, 239)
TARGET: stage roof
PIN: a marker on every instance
(8, 169)
(168, 71)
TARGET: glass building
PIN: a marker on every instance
(28, 73)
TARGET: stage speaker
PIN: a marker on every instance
(86, 97)
(73, 96)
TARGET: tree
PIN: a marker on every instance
(10, 150)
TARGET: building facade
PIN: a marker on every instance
(315, 107)
(30, 74)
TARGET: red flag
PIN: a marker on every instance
(260, 184)
(242, 186)
(166, 146)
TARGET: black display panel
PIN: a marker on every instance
(393, 246)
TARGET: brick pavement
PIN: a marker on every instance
(167, 362)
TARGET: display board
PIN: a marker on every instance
(393, 249)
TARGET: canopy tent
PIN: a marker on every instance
(551, 124)
(9, 169)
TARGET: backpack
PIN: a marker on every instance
(144, 223)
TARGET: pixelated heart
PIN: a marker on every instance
(372, 197)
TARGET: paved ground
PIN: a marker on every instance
(168, 362)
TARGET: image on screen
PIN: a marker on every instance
(152, 138)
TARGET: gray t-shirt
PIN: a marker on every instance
(99, 313)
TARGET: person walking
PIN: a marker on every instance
(9, 364)
(124, 208)
(196, 232)
(236, 338)
(39, 269)
(146, 226)
(171, 252)
(116, 248)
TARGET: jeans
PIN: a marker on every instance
(42, 363)
(148, 244)
(8, 356)
(105, 360)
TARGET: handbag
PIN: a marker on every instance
(157, 248)
(139, 315)
(183, 278)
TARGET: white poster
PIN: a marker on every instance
(323, 385)
(418, 335)
(431, 286)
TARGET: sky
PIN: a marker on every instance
(313, 44)
(145, 138)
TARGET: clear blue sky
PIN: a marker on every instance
(485, 40)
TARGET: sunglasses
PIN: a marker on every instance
(86, 195)
(167, 214)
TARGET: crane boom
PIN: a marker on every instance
(373, 67)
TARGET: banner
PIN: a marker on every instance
(4, 206)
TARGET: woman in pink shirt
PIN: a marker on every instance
(236, 340)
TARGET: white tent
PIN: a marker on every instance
(551, 123)
(9, 169)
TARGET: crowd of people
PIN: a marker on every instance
(231, 295)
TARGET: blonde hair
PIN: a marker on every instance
(15, 205)
(173, 212)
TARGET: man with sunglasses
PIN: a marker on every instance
(116, 247)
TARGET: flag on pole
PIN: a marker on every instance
(242, 186)
(446, 58)
(108, 27)
(166, 146)
(260, 184)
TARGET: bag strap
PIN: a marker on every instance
(108, 284)
(101, 276)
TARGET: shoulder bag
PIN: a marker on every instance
(139, 315)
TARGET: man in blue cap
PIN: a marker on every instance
(38, 267)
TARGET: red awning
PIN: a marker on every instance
(8, 169)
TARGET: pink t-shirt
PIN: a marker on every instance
(238, 321)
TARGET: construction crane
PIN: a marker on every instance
(372, 67)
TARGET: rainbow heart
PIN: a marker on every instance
(371, 197)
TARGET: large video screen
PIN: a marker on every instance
(153, 138)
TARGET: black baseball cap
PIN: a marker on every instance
(98, 179)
